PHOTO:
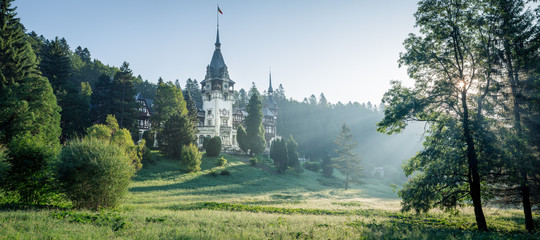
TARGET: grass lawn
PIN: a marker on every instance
(251, 203)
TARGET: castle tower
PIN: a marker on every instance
(217, 90)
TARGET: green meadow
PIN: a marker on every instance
(240, 201)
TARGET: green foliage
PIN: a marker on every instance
(176, 132)
(312, 166)
(221, 162)
(94, 173)
(241, 138)
(254, 128)
(169, 101)
(347, 162)
(326, 166)
(278, 152)
(122, 94)
(191, 158)
(292, 154)
(213, 147)
(253, 161)
(113, 134)
(109, 219)
(29, 114)
(4, 164)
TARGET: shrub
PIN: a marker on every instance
(312, 166)
(253, 161)
(214, 173)
(94, 174)
(213, 147)
(191, 158)
(225, 172)
(221, 162)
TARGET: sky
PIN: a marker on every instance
(346, 49)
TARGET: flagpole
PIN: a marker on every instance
(217, 16)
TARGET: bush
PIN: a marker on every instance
(225, 172)
(94, 174)
(253, 161)
(213, 147)
(191, 158)
(312, 166)
(221, 162)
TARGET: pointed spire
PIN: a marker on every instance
(218, 44)
(270, 89)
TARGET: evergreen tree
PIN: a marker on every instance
(327, 169)
(122, 92)
(29, 114)
(101, 100)
(84, 54)
(347, 162)
(292, 154)
(56, 66)
(254, 127)
(193, 112)
(278, 152)
(241, 138)
(194, 89)
(177, 132)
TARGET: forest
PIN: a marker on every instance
(464, 139)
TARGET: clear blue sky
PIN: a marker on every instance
(347, 49)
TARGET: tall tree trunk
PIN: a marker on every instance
(474, 184)
(524, 183)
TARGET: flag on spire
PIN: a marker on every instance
(219, 10)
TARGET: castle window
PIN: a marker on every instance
(224, 122)
(209, 122)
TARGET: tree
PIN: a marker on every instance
(177, 131)
(191, 106)
(213, 147)
(122, 92)
(241, 138)
(292, 154)
(191, 158)
(84, 54)
(517, 37)
(278, 152)
(169, 101)
(194, 89)
(254, 127)
(101, 100)
(327, 169)
(444, 61)
(347, 162)
(29, 114)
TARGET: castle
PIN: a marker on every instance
(216, 116)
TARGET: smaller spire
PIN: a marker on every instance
(270, 89)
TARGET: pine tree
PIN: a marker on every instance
(29, 114)
(101, 100)
(292, 154)
(347, 162)
(124, 106)
(241, 138)
(278, 152)
(254, 127)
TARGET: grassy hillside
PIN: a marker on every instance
(250, 203)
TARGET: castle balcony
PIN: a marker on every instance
(225, 129)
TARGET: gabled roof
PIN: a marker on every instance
(149, 102)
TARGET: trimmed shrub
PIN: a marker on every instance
(213, 147)
(221, 162)
(253, 161)
(93, 173)
(191, 158)
(313, 166)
